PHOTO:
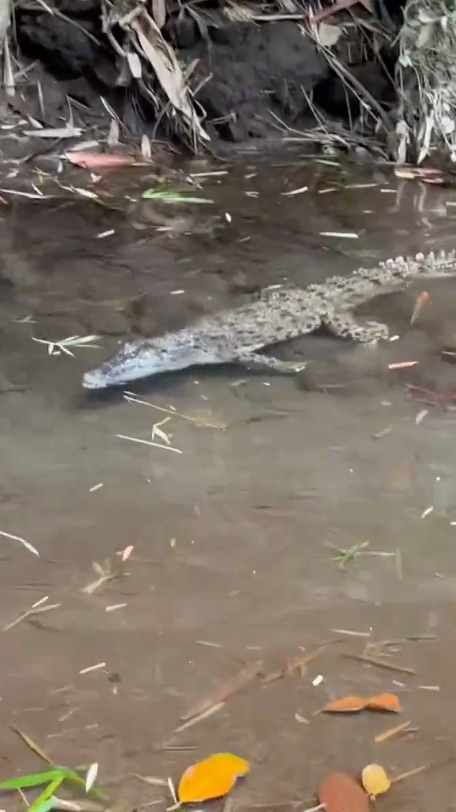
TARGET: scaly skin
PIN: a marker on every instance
(279, 314)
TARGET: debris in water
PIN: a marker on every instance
(295, 191)
(381, 663)
(375, 780)
(158, 432)
(402, 364)
(296, 662)
(339, 792)
(346, 235)
(148, 442)
(382, 433)
(91, 668)
(224, 690)
(354, 704)
(347, 556)
(63, 345)
(108, 233)
(130, 397)
(114, 606)
(111, 568)
(392, 731)
(22, 541)
(196, 719)
(36, 609)
(174, 196)
(422, 300)
(98, 160)
(420, 416)
(427, 512)
(212, 778)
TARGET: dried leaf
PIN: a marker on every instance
(98, 160)
(159, 12)
(328, 35)
(422, 300)
(161, 56)
(375, 780)
(346, 704)
(212, 778)
(338, 6)
(339, 792)
(384, 702)
(403, 364)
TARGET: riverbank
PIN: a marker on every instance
(200, 76)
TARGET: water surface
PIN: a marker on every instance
(231, 559)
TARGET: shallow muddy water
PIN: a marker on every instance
(233, 538)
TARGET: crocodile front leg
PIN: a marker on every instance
(344, 324)
(259, 359)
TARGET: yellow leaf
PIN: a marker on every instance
(211, 778)
(375, 780)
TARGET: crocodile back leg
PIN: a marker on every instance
(344, 324)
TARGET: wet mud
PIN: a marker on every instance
(235, 539)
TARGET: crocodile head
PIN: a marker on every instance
(141, 359)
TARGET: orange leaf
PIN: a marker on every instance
(384, 702)
(339, 792)
(346, 704)
(375, 780)
(211, 778)
(422, 300)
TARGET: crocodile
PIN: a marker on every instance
(278, 314)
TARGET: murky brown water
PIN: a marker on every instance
(230, 560)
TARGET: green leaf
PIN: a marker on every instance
(75, 778)
(176, 196)
(45, 806)
(32, 780)
(41, 803)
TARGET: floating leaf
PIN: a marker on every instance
(32, 780)
(346, 704)
(41, 803)
(384, 702)
(354, 704)
(339, 792)
(98, 160)
(421, 301)
(173, 196)
(91, 776)
(211, 778)
(375, 780)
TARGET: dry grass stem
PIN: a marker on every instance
(130, 397)
(37, 609)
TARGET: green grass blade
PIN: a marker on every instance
(45, 806)
(43, 799)
(74, 778)
(32, 780)
(175, 196)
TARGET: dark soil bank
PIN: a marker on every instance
(250, 79)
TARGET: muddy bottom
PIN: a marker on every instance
(238, 526)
